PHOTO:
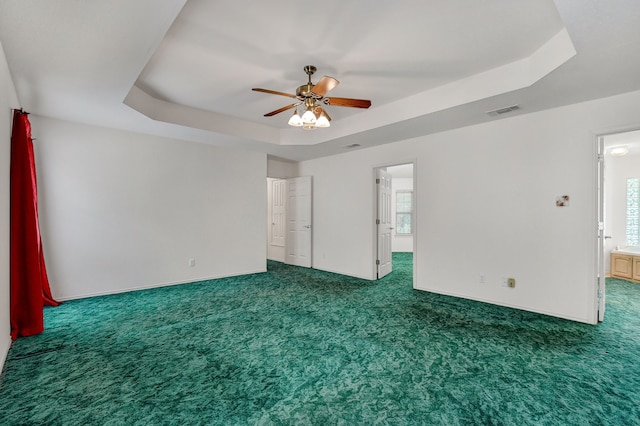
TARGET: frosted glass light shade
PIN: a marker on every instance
(308, 117)
(322, 121)
(295, 120)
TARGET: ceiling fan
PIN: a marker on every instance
(312, 96)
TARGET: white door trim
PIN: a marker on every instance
(416, 220)
(600, 231)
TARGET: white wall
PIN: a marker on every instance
(343, 202)
(122, 211)
(281, 169)
(8, 101)
(617, 171)
(400, 243)
(485, 205)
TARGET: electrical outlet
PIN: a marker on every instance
(483, 279)
(192, 263)
(505, 282)
(511, 282)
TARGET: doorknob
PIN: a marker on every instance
(607, 237)
(307, 226)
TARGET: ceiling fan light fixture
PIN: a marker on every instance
(308, 117)
(312, 97)
(295, 120)
(322, 121)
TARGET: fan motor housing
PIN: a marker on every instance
(304, 91)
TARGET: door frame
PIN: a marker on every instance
(600, 279)
(599, 275)
(374, 214)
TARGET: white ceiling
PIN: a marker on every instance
(185, 69)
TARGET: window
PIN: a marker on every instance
(404, 212)
(633, 212)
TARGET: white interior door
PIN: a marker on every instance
(601, 280)
(384, 223)
(278, 203)
(298, 240)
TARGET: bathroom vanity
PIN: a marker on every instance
(625, 264)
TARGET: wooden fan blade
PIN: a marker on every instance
(273, 92)
(324, 85)
(278, 111)
(346, 102)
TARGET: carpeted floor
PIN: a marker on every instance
(299, 346)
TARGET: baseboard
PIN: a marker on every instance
(151, 286)
(4, 351)
(362, 277)
(508, 305)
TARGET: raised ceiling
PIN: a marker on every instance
(185, 69)
(215, 51)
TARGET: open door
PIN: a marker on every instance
(601, 280)
(276, 219)
(383, 223)
(278, 205)
(298, 239)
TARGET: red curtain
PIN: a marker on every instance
(30, 289)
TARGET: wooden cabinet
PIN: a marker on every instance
(621, 265)
(636, 268)
(625, 266)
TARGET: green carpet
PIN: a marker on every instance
(299, 346)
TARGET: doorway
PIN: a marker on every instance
(276, 216)
(289, 232)
(395, 224)
(618, 212)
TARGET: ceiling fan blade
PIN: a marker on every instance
(346, 102)
(324, 85)
(273, 92)
(278, 111)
